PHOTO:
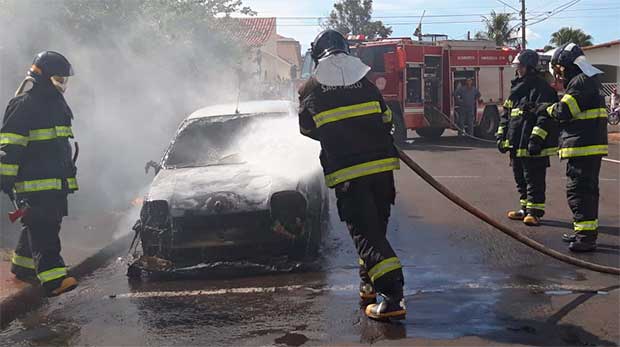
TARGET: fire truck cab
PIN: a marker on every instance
(418, 80)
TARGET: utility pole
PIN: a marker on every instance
(522, 24)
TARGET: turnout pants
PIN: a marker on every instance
(38, 250)
(530, 175)
(582, 193)
(364, 204)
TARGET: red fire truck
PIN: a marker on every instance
(418, 80)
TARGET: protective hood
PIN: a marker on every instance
(340, 70)
(586, 67)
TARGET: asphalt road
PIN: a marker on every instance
(463, 279)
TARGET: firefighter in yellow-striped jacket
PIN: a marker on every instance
(583, 140)
(531, 136)
(343, 110)
(38, 171)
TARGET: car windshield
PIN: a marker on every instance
(213, 140)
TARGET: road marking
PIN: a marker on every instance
(457, 176)
(612, 160)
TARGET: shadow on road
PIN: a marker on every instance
(614, 231)
(445, 144)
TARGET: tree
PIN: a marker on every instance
(355, 17)
(498, 29)
(570, 35)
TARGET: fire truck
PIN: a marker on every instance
(418, 80)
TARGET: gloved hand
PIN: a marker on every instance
(500, 146)
(534, 147)
(529, 107)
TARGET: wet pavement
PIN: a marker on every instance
(463, 279)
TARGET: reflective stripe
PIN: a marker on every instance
(387, 116)
(505, 144)
(52, 274)
(522, 152)
(8, 169)
(50, 133)
(550, 110)
(13, 139)
(508, 103)
(72, 183)
(364, 169)
(523, 202)
(516, 112)
(583, 151)
(360, 261)
(540, 132)
(38, 185)
(19, 260)
(573, 106)
(536, 206)
(591, 114)
(383, 267)
(588, 225)
(346, 112)
(500, 131)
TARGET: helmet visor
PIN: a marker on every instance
(60, 82)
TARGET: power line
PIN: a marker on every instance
(503, 2)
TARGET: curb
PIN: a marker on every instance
(33, 297)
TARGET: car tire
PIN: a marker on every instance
(400, 130)
(489, 123)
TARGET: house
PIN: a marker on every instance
(271, 57)
(606, 56)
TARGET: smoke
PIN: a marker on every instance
(134, 82)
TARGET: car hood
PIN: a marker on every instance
(216, 189)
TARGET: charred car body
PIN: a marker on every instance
(222, 194)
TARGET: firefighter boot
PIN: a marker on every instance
(531, 220)
(517, 215)
(66, 285)
(569, 237)
(583, 244)
(392, 307)
(368, 295)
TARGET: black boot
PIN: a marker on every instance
(368, 295)
(569, 237)
(24, 274)
(392, 307)
(583, 244)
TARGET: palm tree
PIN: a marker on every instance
(568, 35)
(498, 29)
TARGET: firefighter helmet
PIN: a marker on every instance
(328, 42)
(527, 58)
(51, 66)
(571, 54)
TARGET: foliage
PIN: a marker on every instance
(498, 29)
(355, 17)
(570, 35)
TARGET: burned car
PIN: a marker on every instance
(235, 184)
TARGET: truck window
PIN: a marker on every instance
(373, 56)
(414, 84)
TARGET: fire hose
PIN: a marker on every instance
(486, 218)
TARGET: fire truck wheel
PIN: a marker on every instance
(430, 133)
(489, 123)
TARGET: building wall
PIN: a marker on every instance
(290, 51)
(609, 58)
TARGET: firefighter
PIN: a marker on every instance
(531, 136)
(343, 110)
(38, 170)
(583, 140)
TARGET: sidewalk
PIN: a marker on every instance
(87, 241)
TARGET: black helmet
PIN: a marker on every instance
(327, 43)
(48, 63)
(566, 54)
(527, 58)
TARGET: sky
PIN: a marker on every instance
(599, 18)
